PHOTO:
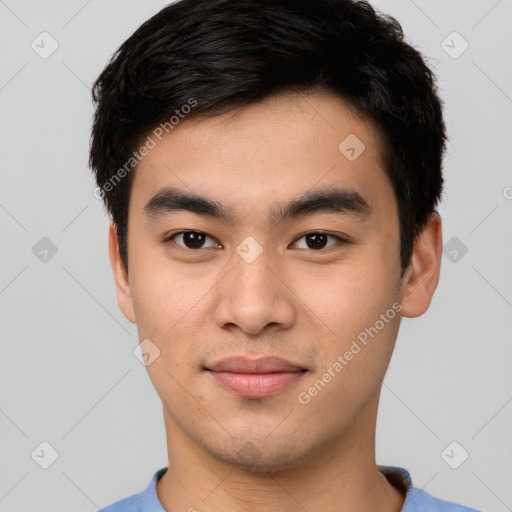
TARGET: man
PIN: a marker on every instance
(272, 170)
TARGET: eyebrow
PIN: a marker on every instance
(329, 200)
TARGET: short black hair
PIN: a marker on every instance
(216, 56)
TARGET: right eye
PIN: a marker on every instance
(192, 240)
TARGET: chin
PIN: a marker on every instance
(260, 456)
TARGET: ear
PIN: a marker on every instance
(123, 291)
(422, 275)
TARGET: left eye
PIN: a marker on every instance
(316, 241)
(192, 240)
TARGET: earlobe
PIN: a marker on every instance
(123, 290)
(422, 275)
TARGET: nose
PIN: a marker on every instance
(254, 297)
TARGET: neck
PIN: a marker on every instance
(341, 475)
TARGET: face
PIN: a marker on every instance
(254, 235)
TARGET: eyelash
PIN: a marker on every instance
(339, 240)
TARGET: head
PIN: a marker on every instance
(272, 171)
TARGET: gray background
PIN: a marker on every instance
(68, 375)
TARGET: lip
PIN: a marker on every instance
(255, 378)
(239, 364)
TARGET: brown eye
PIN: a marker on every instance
(316, 241)
(192, 239)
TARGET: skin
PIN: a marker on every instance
(230, 453)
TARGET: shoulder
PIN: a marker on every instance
(146, 500)
(418, 500)
(130, 504)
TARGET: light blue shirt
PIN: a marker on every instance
(417, 500)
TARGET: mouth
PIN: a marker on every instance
(255, 378)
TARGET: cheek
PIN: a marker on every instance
(170, 311)
(164, 294)
(349, 296)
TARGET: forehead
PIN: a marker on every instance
(269, 151)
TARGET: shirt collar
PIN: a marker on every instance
(149, 501)
(399, 477)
